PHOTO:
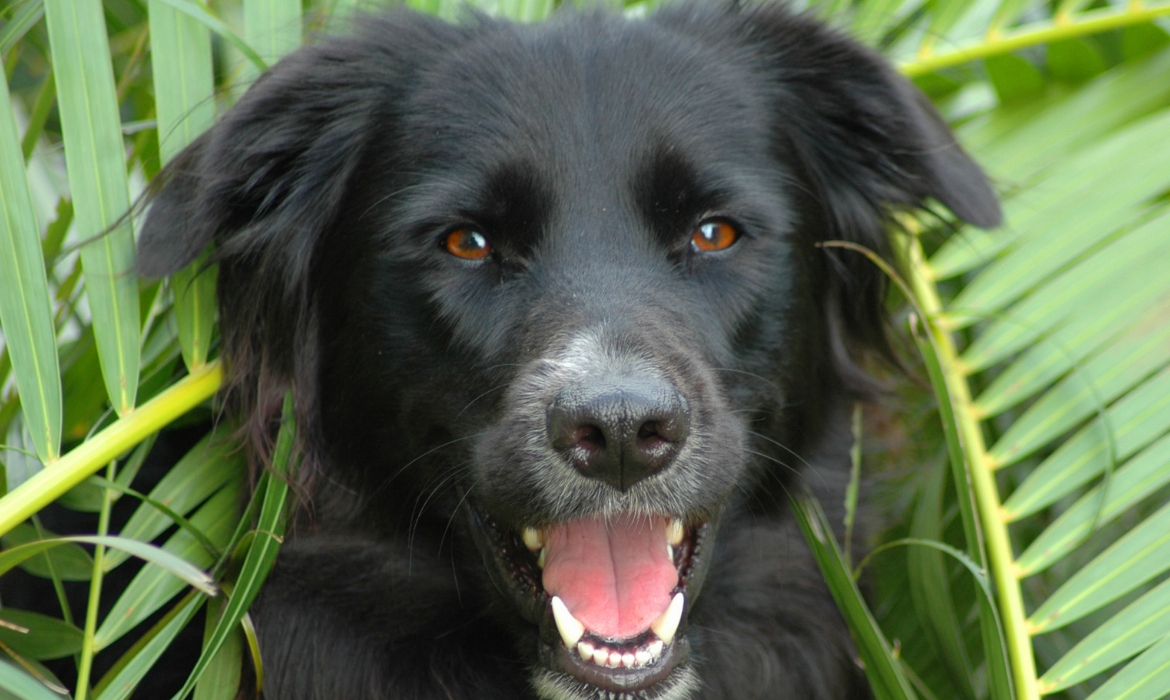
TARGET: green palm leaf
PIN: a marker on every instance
(272, 28)
(1066, 308)
(1140, 625)
(96, 159)
(26, 315)
(185, 102)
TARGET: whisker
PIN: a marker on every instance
(406, 466)
(435, 179)
(791, 468)
(503, 364)
(784, 447)
(770, 458)
(477, 398)
(767, 381)
(420, 510)
(455, 513)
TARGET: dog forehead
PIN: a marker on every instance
(586, 93)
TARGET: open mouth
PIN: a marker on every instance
(609, 595)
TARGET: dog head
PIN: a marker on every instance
(560, 284)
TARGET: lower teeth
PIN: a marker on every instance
(609, 658)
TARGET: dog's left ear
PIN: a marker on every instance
(868, 143)
(865, 136)
(863, 142)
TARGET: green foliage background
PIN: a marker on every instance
(1029, 483)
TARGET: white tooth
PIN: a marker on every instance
(628, 660)
(570, 629)
(667, 625)
(540, 558)
(654, 648)
(675, 532)
(533, 540)
(670, 552)
(600, 656)
(614, 660)
(585, 649)
(642, 657)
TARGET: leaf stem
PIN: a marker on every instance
(129, 430)
(1059, 28)
(996, 539)
(58, 586)
(95, 591)
(851, 491)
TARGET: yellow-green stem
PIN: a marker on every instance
(58, 586)
(84, 460)
(95, 592)
(1035, 34)
(999, 548)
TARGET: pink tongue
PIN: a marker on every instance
(613, 576)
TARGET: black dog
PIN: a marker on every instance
(561, 341)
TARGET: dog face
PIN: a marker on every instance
(554, 292)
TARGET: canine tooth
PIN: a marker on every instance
(667, 625)
(600, 656)
(642, 657)
(670, 552)
(585, 650)
(628, 660)
(570, 629)
(654, 648)
(540, 558)
(533, 539)
(675, 532)
(614, 660)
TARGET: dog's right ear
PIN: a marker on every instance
(265, 184)
(267, 179)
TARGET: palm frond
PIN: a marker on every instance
(1064, 317)
(1048, 341)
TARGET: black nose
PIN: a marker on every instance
(619, 430)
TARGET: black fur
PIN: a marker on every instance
(587, 150)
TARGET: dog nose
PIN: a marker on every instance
(621, 430)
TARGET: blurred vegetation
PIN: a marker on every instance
(1027, 536)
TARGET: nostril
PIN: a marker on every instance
(589, 437)
(671, 424)
(650, 439)
(649, 430)
(652, 450)
(655, 445)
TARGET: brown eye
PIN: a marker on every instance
(712, 236)
(468, 244)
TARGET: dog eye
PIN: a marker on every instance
(468, 244)
(712, 236)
